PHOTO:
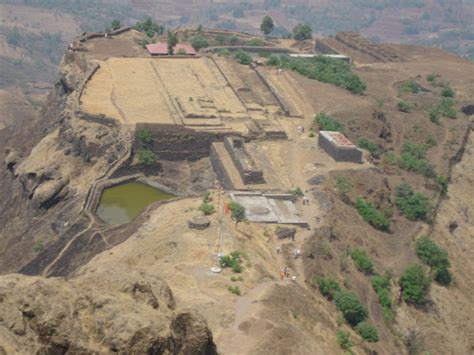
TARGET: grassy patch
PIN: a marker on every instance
(233, 261)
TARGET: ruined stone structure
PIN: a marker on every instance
(339, 147)
(243, 162)
(233, 166)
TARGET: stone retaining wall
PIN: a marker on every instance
(219, 169)
(175, 142)
(243, 162)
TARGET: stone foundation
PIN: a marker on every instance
(339, 147)
(243, 162)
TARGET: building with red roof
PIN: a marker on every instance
(161, 49)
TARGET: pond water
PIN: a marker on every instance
(122, 203)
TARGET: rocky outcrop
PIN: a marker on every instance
(98, 311)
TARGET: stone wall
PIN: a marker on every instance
(219, 169)
(321, 47)
(175, 142)
(243, 162)
(340, 153)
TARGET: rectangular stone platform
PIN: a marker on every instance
(268, 208)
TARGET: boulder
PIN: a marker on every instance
(199, 222)
(317, 180)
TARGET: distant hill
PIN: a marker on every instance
(34, 33)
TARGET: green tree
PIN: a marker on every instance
(116, 24)
(237, 212)
(302, 32)
(199, 42)
(352, 310)
(172, 42)
(267, 25)
(367, 331)
(414, 284)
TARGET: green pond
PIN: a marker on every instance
(122, 203)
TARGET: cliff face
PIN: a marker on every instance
(50, 165)
(111, 310)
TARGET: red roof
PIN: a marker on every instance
(157, 48)
(162, 48)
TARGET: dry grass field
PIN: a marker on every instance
(159, 90)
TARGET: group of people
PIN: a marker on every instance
(286, 274)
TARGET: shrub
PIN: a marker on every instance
(343, 339)
(431, 77)
(410, 86)
(442, 275)
(237, 211)
(413, 158)
(326, 70)
(414, 284)
(368, 332)
(207, 208)
(381, 285)
(243, 57)
(328, 287)
(446, 107)
(199, 42)
(274, 60)
(235, 290)
(372, 215)
(369, 145)
(362, 261)
(296, 192)
(352, 310)
(443, 182)
(433, 255)
(232, 261)
(144, 135)
(343, 185)
(413, 205)
(447, 91)
(255, 42)
(147, 157)
(302, 31)
(116, 24)
(206, 197)
(404, 106)
(38, 246)
(328, 123)
(434, 115)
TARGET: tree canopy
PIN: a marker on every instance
(267, 25)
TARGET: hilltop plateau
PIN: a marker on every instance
(375, 236)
